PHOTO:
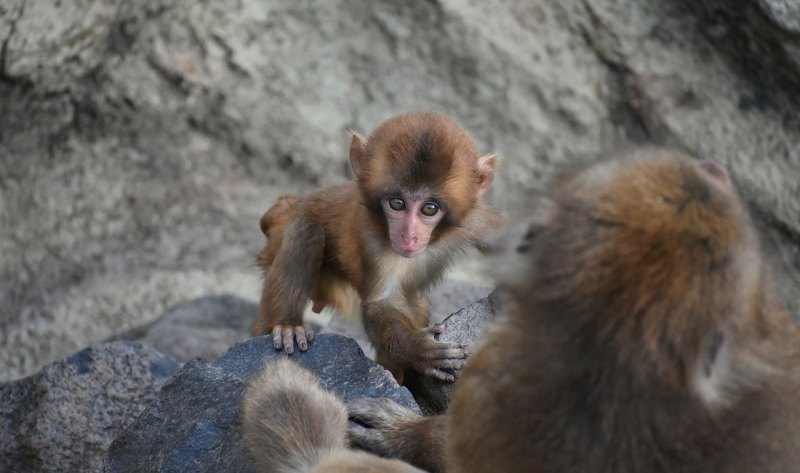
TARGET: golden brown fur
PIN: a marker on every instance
(643, 337)
(341, 240)
(291, 425)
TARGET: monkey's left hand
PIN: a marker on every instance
(376, 421)
(431, 356)
(390, 430)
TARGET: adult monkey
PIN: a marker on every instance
(416, 202)
(643, 337)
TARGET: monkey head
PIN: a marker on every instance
(420, 175)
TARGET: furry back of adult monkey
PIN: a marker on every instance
(291, 425)
(642, 336)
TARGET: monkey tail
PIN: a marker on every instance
(289, 423)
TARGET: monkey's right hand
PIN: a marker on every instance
(431, 357)
(285, 335)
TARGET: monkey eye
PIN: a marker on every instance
(429, 209)
(396, 203)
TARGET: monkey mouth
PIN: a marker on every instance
(408, 252)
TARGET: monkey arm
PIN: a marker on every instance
(400, 344)
(392, 431)
(292, 272)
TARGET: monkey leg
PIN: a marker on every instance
(288, 282)
(392, 431)
(400, 344)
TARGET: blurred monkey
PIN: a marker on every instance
(642, 337)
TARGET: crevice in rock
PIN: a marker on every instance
(753, 45)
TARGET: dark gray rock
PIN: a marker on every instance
(468, 326)
(201, 328)
(194, 425)
(64, 417)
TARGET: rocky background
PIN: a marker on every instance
(141, 141)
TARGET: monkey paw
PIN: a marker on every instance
(285, 335)
(433, 356)
(374, 424)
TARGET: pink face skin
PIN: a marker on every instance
(411, 222)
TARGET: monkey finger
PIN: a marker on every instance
(300, 336)
(368, 439)
(434, 329)
(309, 332)
(288, 339)
(440, 375)
(446, 350)
(277, 340)
(449, 364)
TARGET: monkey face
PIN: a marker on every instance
(410, 222)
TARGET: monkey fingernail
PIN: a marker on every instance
(277, 341)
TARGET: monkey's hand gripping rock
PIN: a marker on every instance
(285, 335)
(431, 357)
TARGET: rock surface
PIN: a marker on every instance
(200, 328)
(194, 424)
(64, 417)
(140, 142)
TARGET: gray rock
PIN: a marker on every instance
(194, 424)
(452, 295)
(64, 417)
(201, 328)
(140, 142)
(785, 13)
(467, 326)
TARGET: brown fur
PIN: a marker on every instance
(642, 338)
(337, 238)
(291, 425)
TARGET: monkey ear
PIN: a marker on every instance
(358, 153)
(486, 166)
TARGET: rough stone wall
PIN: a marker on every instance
(141, 141)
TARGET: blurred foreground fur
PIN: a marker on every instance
(642, 336)
(291, 425)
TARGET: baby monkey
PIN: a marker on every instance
(642, 337)
(417, 201)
